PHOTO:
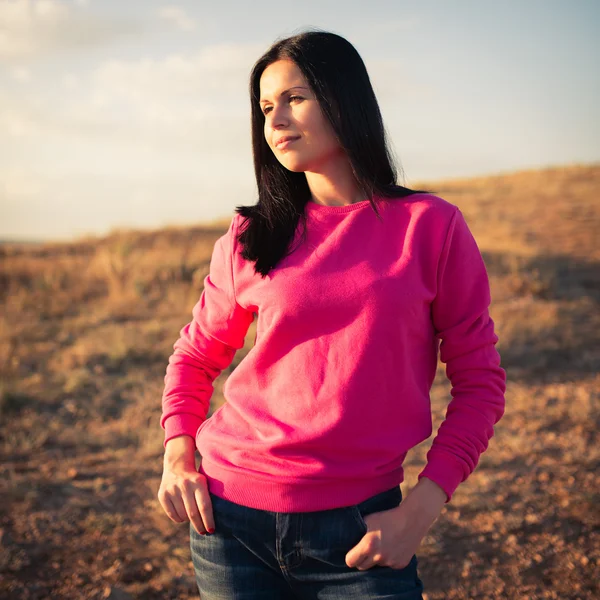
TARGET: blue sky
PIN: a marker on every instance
(136, 114)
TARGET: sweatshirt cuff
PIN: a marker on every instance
(445, 472)
(182, 424)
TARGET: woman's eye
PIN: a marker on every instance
(268, 109)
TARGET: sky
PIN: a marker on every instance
(117, 115)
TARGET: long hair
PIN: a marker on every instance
(340, 82)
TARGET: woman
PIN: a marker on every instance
(355, 281)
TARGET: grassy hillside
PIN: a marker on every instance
(85, 332)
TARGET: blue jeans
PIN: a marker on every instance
(256, 554)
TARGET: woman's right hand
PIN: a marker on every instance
(183, 492)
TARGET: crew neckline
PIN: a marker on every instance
(314, 207)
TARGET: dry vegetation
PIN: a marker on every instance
(85, 332)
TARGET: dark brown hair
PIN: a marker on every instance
(339, 79)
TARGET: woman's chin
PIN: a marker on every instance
(294, 165)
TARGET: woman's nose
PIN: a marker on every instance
(279, 117)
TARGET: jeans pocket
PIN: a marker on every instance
(385, 500)
(358, 517)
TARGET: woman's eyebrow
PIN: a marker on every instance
(295, 87)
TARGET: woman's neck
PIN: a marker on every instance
(334, 184)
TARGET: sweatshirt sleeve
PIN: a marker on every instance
(206, 345)
(460, 314)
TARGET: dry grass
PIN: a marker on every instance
(85, 332)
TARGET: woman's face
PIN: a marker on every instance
(291, 111)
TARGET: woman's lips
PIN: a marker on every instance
(285, 142)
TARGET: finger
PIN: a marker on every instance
(189, 501)
(370, 561)
(366, 564)
(172, 512)
(357, 556)
(205, 506)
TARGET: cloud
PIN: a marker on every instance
(192, 103)
(18, 184)
(16, 118)
(31, 29)
(20, 74)
(177, 16)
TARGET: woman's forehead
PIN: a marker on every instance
(280, 76)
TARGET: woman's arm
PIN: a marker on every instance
(206, 345)
(460, 314)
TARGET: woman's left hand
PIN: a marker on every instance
(393, 536)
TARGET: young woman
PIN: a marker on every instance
(355, 281)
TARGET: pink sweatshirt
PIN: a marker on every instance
(322, 410)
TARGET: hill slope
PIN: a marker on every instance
(85, 332)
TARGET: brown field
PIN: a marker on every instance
(85, 332)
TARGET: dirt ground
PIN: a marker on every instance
(85, 333)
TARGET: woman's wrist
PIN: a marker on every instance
(180, 450)
(426, 500)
